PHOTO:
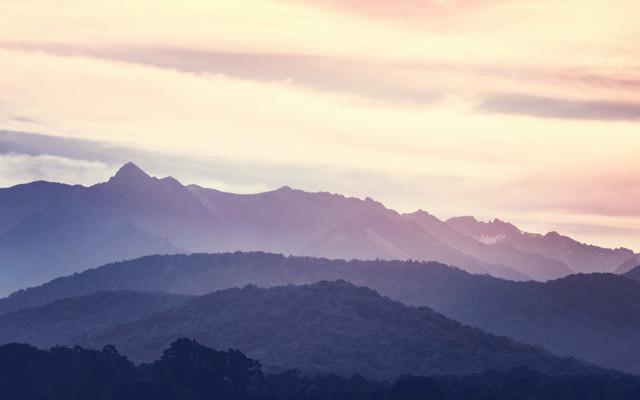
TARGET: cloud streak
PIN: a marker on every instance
(607, 216)
(22, 168)
(452, 106)
(331, 74)
(423, 83)
(547, 107)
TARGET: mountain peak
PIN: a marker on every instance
(421, 213)
(129, 173)
(506, 226)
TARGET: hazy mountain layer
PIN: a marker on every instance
(580, 257)
(532, 264)
(325, 327)
(628, 265)
(595, 317)
(72, 320)
(48, 229)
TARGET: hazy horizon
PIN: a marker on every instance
(117, 168)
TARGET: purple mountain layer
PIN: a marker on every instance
(49, 229)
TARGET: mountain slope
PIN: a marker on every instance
(534, 265)
(161, 207)
(76, 223)
(377, 234)
(70, 320)
(71, 228)
(592, 317)
(627, 265)
(634, 274)
(127, 242)
(21, 201)
(329, 327)
(578, 256)
(283, 220)
(44, 245)
(62, 239)
(595, 317)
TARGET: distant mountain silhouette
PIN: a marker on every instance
(595, 317)
(384, 234)
(283, 220)
(325, 327)
(531, 264)
(21, 201)
(49, 229)
(62, 238)
(578, 256)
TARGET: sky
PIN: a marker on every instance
(523, 110)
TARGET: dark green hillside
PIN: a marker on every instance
(330, 327)
(594, 317)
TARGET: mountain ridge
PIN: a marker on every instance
(578, 256)
(549, 314)
(331, 327)
(68, 321)
(195, 219)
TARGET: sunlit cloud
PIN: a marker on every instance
(524, 110)
(20, 168)
(547, 107)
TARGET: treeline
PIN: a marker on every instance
(190, 371)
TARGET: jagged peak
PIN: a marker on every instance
(420, 212)
(129, 172)
(509, 225)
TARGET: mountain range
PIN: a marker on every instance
(50, 229)
(577, 256)
(320, 328)
(594, 317)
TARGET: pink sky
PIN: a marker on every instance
(524, 110)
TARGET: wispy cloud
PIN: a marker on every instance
(609, 215)
(401, 83)
(22, 168)
(332, 74)
(452, 106)
(547, 107)
(37, 152)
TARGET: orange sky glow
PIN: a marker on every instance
(524, 110)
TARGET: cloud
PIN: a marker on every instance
(21, 168)
(34, 145)
(404, 83)
(594, 208)
(325, 73)
(373, 98)
(219, 116)
(233, 176)
(547, 107)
